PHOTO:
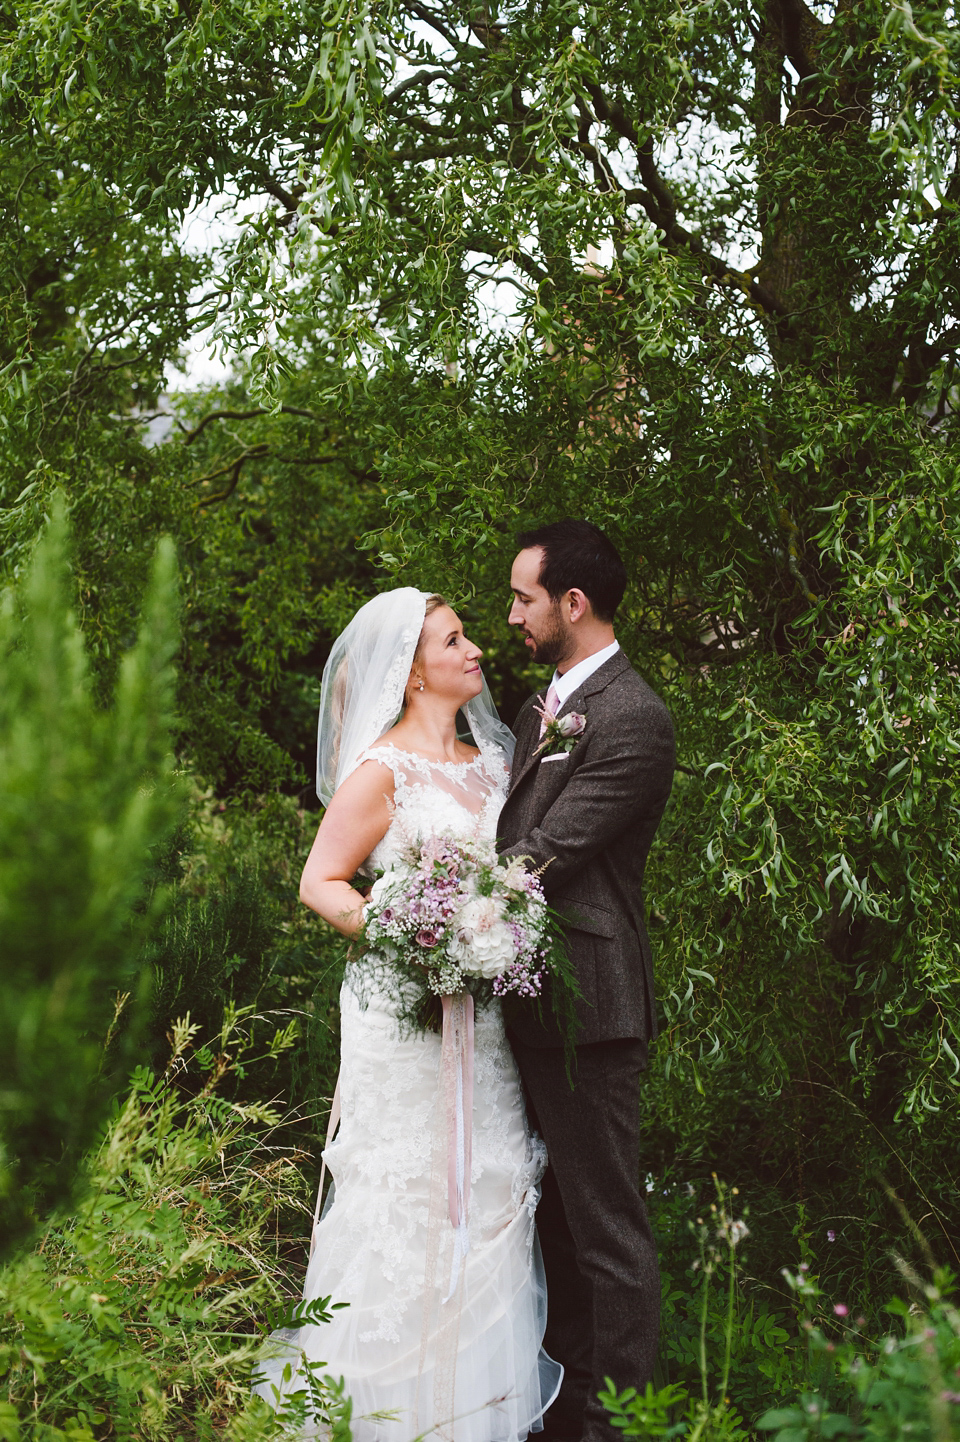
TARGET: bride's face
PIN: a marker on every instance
(447, 663)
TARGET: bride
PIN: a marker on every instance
(456, 1356)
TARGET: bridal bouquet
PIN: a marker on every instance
(452, 920)
(456, 917)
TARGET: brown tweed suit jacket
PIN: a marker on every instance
(589, 819)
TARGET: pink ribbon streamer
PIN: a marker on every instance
(457, 1051)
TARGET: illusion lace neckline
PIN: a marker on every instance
(419, 759)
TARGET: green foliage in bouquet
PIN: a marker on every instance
(86, 793)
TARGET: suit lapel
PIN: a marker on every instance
(600, 679)
(527, 744)
(530, 761)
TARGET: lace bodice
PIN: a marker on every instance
(460, 799)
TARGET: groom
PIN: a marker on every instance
(588, 816)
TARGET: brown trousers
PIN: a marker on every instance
(603, 1282)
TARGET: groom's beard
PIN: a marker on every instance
(553, 646)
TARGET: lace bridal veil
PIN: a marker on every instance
(361, 695)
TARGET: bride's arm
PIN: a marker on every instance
(356, 819)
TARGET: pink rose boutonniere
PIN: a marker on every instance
(561, 733)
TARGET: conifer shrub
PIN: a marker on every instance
(86, 792)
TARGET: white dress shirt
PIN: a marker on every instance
(571, 680)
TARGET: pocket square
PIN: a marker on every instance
(554, 756)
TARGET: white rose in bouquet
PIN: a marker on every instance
(483, 944)
(381, 887)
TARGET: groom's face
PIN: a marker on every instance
(535, 612)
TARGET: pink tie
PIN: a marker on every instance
(550, 705)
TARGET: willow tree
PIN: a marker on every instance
(691, 270)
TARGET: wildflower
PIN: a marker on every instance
(841, 1310)
(732, 1232)
(831, 1235)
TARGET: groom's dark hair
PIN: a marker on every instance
(578, 554)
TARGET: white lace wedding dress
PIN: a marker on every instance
(470, 1368)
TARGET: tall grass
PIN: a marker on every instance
(830, 1375)
(141, 1315)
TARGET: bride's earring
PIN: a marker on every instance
(420, 687)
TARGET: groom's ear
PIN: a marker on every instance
(575, 605)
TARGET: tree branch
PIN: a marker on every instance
(450, 36)
(488, 245)
(429, 152)
(234, 467)
(657, 199)
(289, 199)
(602, 169)
(801, 35)
(191, 435)
(949, 341)
(421, 77)
(310, 460)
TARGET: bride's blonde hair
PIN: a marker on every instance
(434, 602)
